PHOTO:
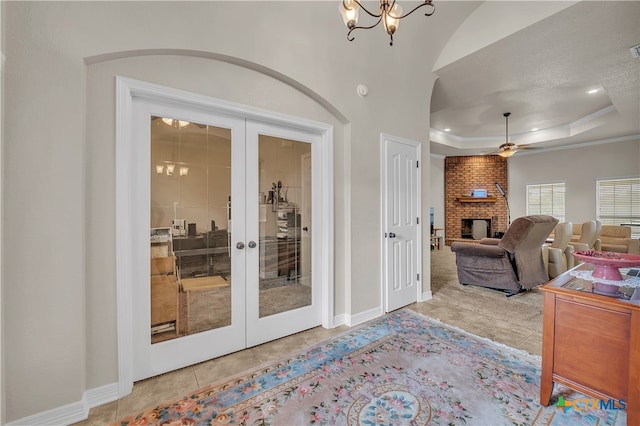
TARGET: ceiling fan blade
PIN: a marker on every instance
(492, 152)
(529, 147)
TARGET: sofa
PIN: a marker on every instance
(513, 263)
(617, 238)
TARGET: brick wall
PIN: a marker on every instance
(464, 174)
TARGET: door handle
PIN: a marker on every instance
(392, 235)
(252, 244)
(240, 245)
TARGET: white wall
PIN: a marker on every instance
(578, 168)
(59, 273)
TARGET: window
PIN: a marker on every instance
(619, 203)
(547, 199)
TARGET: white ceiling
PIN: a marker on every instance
(541, 75)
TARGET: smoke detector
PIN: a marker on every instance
(635, 51)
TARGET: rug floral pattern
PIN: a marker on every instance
(402, 369)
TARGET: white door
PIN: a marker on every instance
(282, 297)
(401, 230)
(228, 190)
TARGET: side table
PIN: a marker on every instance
(591, 343)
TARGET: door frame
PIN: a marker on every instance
(384, 138)
(126, 90)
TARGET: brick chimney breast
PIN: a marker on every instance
(462, 175)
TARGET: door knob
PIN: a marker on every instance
(305, 229)
(252, 244)
(392, 235)
(240, 245)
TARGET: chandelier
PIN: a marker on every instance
(390, 14)
(169, 167)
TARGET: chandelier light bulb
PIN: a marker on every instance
(349, 11)
(392, 18)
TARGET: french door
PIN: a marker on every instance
(220, 257)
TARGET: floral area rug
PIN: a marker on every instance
(401, 369)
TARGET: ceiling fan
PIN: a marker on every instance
(507, 149)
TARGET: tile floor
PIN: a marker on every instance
(514, 321)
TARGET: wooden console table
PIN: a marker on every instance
(591, 343)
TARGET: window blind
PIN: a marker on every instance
(546, 199)
(619, 202)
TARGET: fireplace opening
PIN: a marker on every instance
(476, 228)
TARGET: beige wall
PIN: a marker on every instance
(578, 168)
(59, 275)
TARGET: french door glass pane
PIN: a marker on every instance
(190, 217)
(285, 224)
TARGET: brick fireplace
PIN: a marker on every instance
(462, 176)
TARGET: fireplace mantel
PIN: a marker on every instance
(476, 199)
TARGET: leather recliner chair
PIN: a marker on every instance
(557, 255)
(586, 236)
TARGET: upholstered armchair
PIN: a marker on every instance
(557, 255)
(514, 264)
(585, 235)
(618, 239)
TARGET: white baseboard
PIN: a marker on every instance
(74, 412)
(339, 320)
(363, 317)
(427, 295)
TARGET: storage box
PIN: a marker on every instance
(164, 299)
(163, 265)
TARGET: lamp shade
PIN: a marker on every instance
(507, 153)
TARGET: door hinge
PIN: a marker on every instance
(417, 221)
(417, 164)
(418, 277)
(385, 235)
